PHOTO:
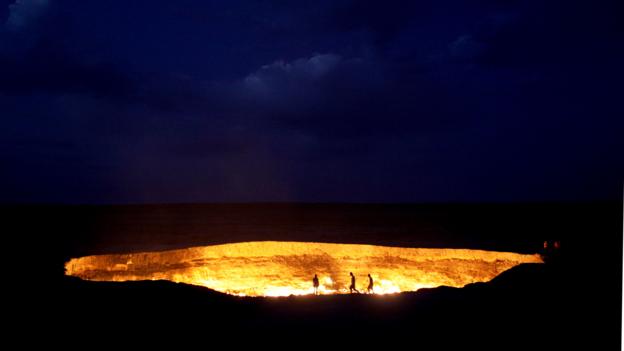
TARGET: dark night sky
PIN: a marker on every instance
(384, 101)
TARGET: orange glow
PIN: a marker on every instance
(270, 268)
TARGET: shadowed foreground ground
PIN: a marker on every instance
(527, 306)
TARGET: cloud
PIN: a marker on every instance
(393, 92)
(24, 12)
(544, 35)
(384, 20)
(309, 68)
(50, 68)
(283, 77)
(333, 97)
(466, 47)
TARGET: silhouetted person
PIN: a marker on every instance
(370, 285)
(315, 282)
(551, 253)
(352, 287)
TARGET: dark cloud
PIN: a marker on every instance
(326, 101)
(383, 19)
(47, 68)
(465, 47)
(333, 97)
(24, 13)
(552, 33)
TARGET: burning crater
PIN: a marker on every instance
(270, 268)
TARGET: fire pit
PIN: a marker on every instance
(271, 268)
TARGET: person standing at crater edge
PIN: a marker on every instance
(370, 284)
(352, 287)
(315, 282)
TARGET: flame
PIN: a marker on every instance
(270, 268)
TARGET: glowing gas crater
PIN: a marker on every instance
(269, 268)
